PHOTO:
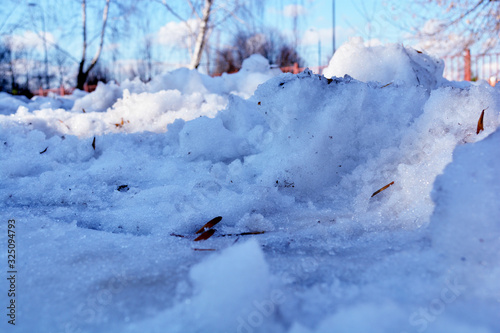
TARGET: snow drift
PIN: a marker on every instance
(387, 64)
(108, 202)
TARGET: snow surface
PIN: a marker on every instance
(391, 63)
(105, 234)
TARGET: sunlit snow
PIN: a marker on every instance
(109, 188)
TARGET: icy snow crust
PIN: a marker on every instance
(105, 235)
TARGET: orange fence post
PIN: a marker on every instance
(296, 68)
(467, 66)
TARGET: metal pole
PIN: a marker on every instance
(333, 21)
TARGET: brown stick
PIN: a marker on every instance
(383, 188)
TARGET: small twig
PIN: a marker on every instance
(62, 122)
(243, 234)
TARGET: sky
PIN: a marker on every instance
(353, 18)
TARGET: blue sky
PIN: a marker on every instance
(363, 18)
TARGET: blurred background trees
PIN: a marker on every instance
(46, 43)
(49, 43)
(448, 27)
(269, 43)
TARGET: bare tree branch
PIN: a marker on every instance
(173, 12)
(193, 9)
(461, 24)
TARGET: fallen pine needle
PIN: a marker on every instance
(388, 84)
(93, 143)
(206, 235)
(210, 224)
(195, 249)
(480, 126)
(244, 234)
(383, 188)
(209, 233)
(250, 233)
(43, 151)
(62, 122)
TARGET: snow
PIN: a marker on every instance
(391, 63)
(107, 201)
(9, 103)
(468, 210)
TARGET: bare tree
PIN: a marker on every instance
(460, 23)
(114, 19)
(209, 15)
(7, 65)
(82, 72)
(16, 63)
(269, 43)
(61, 61)
(372, 15)
(145, 52)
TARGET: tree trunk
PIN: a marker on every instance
(83, 74)
(81, 79)
(200, 40)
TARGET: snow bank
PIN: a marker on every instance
(463, 208)
(229, 285)
(107, 209)
(135, 106)
(392, 63)
(465, 226)
(104, 96)
(9, 103)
